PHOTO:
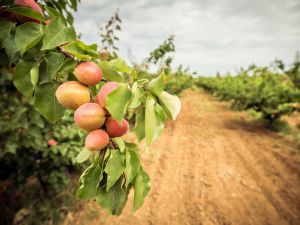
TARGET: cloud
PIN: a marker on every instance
(210, 35)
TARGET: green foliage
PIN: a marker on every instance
(46, 103)
(150, 125)
(118, 100)
(132, 166)
(27, 36)
(157, 84)
(81, 51)
(161, 52)
(271, 94)
(178, 81)
(63, 7)
(89, 180)
(57, 33)
(26, 154)
(142, 187)
(293, 71)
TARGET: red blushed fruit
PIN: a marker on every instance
(96, 140)
(89, 116)
(47, 22)
(28, 3)
(52, 142)
(72, 94)
(114, 129)
(104, 91)
(88, 73)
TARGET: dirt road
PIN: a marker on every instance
(214, 166)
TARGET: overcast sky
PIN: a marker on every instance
(210, 35)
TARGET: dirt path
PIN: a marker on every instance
(213, 166)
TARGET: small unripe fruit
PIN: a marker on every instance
(72, 94)
(104, 91)
(28, 3)
(52, 142)
(104, 54)
(89, 116)
(114, 128)
(47, 22)
(96, 140)
(88, 73)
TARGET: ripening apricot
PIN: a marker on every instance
(28, 3)
(88, 73)
(104, 91)
(96, 140)
(114, 128)
(72, 94)
(89, 116)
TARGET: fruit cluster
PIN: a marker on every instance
(90, 114)
(23, 19)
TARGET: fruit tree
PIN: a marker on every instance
(57, 72)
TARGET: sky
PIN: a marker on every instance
(210, 35)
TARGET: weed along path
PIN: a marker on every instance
(215, 166)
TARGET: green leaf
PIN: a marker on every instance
(120, 143)
(74, 4)
(109, 73)
(141, 82)
(54, 62)
(139, 128)
(11, 48)
(150, 125)
(37, 119)
(34, 74)
(89, 181)
(57, 33)
(67, 66)
(160, 120)
(93, 47)
(46, 103)
(22, 78)
(55, 14)
(26, 11)
(120, 65)
(6, 27)
(131, 145)
(28, 35)
(80, 50)
(132, 166)
(134, 75)
(138, 94)
(156, 85)
(141, 189)
(83, 155)
(114, 168)
(118, 100)
(114, 200)
(171, 104)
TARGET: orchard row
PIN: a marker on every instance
(270, 94)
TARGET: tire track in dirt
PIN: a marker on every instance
(215, 166)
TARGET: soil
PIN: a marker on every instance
(214, 166)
